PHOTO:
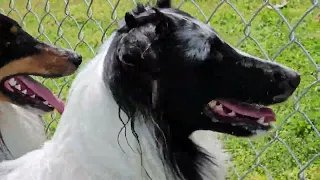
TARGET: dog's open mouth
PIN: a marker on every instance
(234, 112)
(27, 91)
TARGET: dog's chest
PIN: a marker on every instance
(21, 131)
(4, 153)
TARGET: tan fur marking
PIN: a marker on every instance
(14, 29)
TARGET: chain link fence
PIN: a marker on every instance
(284, 31)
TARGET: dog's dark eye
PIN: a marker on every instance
(217, 55)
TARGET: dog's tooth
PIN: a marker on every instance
(261, 121)
(219, 108)
(232, 114)
(212, 104)
(18, 87)
(12, 82)
(24, 91)
(45, 102)
(33, 96)
(49, 105)
(214, 120)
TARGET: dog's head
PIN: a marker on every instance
(22, 55)
(173, 65)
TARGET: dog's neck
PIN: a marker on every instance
(88, 132)
(22, 130)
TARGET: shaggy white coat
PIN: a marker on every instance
(22, 130)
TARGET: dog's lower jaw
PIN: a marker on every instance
(22, 130)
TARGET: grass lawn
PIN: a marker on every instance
(82, 26)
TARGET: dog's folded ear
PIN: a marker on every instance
(141, 51)
(130, 20)
(139, 9)
(136, 52)
(133, 20)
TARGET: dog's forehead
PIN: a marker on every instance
(186, 20)
(193, 34)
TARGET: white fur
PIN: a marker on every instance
(85, 146)
(22, 130)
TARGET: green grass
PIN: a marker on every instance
(268, 28)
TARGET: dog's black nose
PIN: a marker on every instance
(289, 85)
(294, 80)
(76, 59)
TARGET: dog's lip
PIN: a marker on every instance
(235, 112)
(49, 100)
(43, 92)
(246, 109)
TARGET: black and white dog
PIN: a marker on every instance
(132, 111)
(23, 100)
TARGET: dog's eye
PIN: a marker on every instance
(218, 55)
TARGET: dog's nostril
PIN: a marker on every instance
(289, 85)
(76, 60)
(294, 80)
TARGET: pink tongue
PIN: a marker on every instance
(43, 92)
(249, 110)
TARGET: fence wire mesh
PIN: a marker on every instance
(284, 31)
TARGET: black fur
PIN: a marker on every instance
(14, 45)
(153, 46)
